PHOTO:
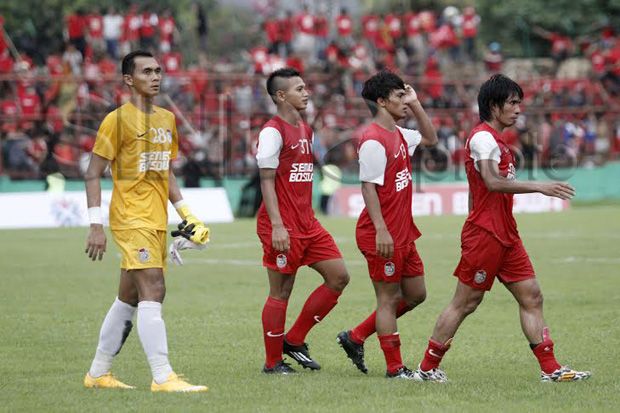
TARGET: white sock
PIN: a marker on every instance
(114, 330)
(152, 333)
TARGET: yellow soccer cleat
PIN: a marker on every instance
(107, 381)
(175, 384)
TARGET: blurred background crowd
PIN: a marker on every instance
(58, 81)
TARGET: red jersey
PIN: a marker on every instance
(344, 24)
(95, 26)
(396, 193)
(166, 29)
(412, 24)
(370, 27)
(470, 25)
(392, 21)
(305, 23)
(492, 211)
(76, 26)
(321, 26)
(293, 183)
(272, 30)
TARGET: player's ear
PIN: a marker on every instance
(381, 102)
(280, 96)
(128, 79)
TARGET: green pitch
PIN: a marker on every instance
(53, 300)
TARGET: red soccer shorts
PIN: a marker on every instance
(483, 258)
(302, 251)
(405, 262)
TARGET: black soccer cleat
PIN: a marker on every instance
(301, 355)
(402, 373)
(280, 368)
(354, 351)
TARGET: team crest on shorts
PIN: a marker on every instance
(389, 269)
(143, 255)
(281, 261)
(480, 276)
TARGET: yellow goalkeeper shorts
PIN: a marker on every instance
(141, 248)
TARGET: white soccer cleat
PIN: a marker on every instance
(564, 373)
(435, 375)
(179, 244)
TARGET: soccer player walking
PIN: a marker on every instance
(490, 243)
(290, 234)
(385, 231)
(138, 140)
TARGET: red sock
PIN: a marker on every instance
(433, 355)
(367, 327)
(545, 356)
(317, 306)
(274, 317)
(390, 344)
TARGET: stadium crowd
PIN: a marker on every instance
(49, 113)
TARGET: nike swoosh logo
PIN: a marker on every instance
(270, 334)
(432, 353)
(317, 318)
(294, 146)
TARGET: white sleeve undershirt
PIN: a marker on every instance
(412, 137)
(372, 160)
(483, 146)
(269, 145)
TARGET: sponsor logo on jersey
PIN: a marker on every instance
(154, 161)
(402, 179)
(480, 277)
(281, 260)
(143, 255)
(389, 269)
(512, 172)
(301, 172)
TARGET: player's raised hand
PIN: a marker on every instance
(280, 239)
(385, 243)
(560, 190)
(95, 242)
(410, 95)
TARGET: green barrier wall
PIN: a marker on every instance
(592, 184)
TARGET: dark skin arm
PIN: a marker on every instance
(96, 240)
(489, 170)
(279, 235)
(385, 243)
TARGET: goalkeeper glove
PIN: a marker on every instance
(193, 229)
(179, 244)
(196, 233)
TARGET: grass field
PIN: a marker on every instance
(53, 300)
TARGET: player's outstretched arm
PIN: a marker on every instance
(279, 235)
(96, 240)
(384, 241)
(425, 126)
(489, 170)
(194, 229)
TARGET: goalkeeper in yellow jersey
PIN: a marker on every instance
(138, 140)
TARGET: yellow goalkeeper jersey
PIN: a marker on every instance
(140, 147)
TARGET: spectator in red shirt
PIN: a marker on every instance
(306, 34)
(94, 22)
(3, 43)
(493, 58)
(561, 46)
(344, 28)
(76, 30)
(167, 31)
(148, 29)
(470, 31)
(321, 30)
(131, 30)
(271, 27)
(286, 25)
(370, 28)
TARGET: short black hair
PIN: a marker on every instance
(495, 92)
(128, 65)
(380, 86)
(272, 81)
